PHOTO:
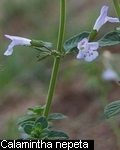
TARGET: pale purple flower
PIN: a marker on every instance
(103, 18)
(109, 74)
(87, 50)
(16, 41)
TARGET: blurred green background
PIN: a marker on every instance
(80, 93)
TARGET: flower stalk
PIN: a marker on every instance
(57, 59)
(117, 7)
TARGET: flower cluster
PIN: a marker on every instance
(87, 50)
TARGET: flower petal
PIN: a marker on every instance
(16, 41)
(110, 19)
(10, 49)
(8, 52)
(19, 40)
(92, 56)
(104, 10)
(101, 19)
(80, 55)
(94, 45)
(110, 74)
(82, 43)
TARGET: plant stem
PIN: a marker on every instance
(56, 59)
(117, 7)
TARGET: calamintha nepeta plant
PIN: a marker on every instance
(38, 123)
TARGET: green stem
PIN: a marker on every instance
(92, 35)
(57, 59)
(117, 7)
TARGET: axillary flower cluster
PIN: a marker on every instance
(87, 50)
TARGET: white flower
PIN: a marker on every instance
(16, 41)
(87, 50)
(103, 18)
(109, 75)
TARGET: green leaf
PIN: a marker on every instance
(31, 113)
(29, 122)
(109, 39)
(118, 29)
(35, 133)
(37, 110)
(43, 121)
(50, 124)
(71, 44)
(44, 133)
(56, 116)
(41, 49)
(38, 127)
(57, 135)
(20, 128)
(43, 56)
(25, 119)
(28, 128)
(112, 109)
